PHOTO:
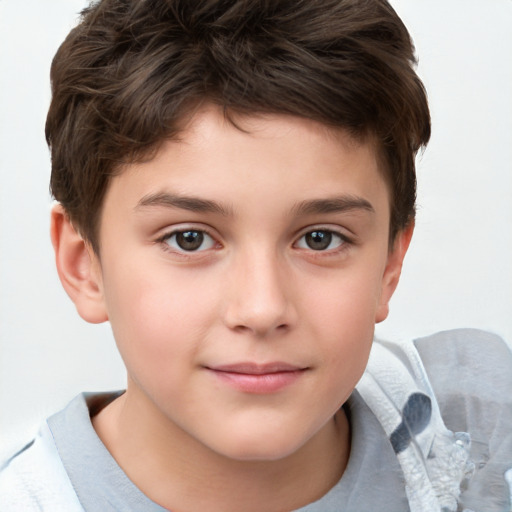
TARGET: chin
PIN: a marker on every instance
(252, 454)
(261, 447)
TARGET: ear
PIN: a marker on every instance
(78, 268)
(393, 270)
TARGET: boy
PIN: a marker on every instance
(236, 187)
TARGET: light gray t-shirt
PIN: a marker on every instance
(471, 373)
(101, 485)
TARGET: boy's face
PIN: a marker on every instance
(242, 274)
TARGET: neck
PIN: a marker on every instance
(180, 473)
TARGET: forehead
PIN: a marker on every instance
(211, 124)
(247, 158)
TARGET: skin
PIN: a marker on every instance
(256, 290)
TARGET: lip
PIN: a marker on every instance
(256, 378)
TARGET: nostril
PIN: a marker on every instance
(259, 331)
(241, 328)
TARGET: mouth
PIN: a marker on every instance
(256, 378)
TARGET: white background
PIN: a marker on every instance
(459, 269)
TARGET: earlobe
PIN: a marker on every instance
(393, 271)
(78, 268)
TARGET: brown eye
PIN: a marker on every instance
(321, 240)
(190, 240)
(318, 240)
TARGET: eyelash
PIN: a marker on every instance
(344, 241)
(164, 240)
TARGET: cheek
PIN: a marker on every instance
(158, 317)
(342, 317)
(345, 302)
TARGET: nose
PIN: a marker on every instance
(260, 298)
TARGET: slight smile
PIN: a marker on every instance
(258, 378)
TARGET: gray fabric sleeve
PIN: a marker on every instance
(471, 373)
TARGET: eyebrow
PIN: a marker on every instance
(338, 204)
(193, 204)
(333, 205)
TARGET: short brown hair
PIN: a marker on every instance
(126, 76)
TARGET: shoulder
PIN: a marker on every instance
(468, 347)
(468, 361)
(471, 374)
(35, 480)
